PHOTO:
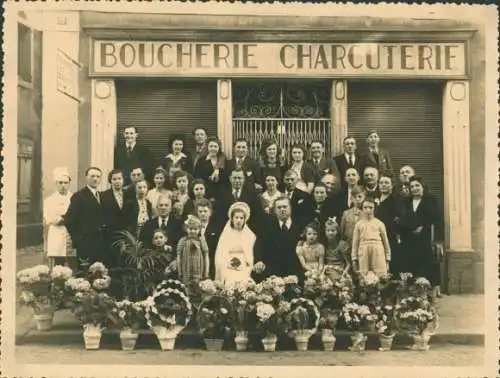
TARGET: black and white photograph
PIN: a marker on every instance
(269, 189)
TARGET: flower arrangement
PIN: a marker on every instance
(271, 319)
(98, 276)
(43, 289)
(92, 307)
(385, 323)
(215, 317)
(210, 287)
(416, 315)
(303, 315)
(127, 314)
(329, 293)
(356, 317)
(243, 302)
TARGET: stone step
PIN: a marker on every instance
(67, 330)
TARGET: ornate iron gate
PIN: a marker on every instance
(288, 113)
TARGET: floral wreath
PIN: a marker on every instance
(311, 308)
(172, 284)
(151, 310)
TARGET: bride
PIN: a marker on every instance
(234, 253)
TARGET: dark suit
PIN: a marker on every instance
(389, 212)
(381, 161)
(131, 211)
(374, 194)
(250, 168)
(307, 172)
(212, 235)
(115, 220)
(85, 223)
(278, 250)
(173, 229)
(343, 165)
(325, 166)
(302, 207)
(139, 157)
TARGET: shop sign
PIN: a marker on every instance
(67, 75)
(155, 58)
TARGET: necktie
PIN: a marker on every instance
(283, 227)
(97, 197)
(162, 224)
(350, 160)
(236, 195)
(129, 150)
(317, 163)
(238, 162)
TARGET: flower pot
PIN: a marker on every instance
(44, 321)
(269, 342)
(214, 345)
(421, 341)
(385, 342)
(358, 342)
(166, 337)
(328, 339)
(128, 338)
(241, 340)
(92, 336)
(302, 339)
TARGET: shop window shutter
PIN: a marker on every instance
(160, 108)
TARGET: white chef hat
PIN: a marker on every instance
(59, 173)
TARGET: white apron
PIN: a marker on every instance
(58, 243)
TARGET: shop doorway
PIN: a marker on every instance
(288, 112)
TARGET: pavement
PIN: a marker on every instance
(459, 341)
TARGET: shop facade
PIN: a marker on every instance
(295, 79)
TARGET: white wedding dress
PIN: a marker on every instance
(234, 255)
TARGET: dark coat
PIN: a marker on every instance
(173, 230)
(389, 212)
(250, 167)
(382, 162)
(204, 170)
(185, 163)
(418, 248)
(325, 166)
(85, 223)
(374, 194)
(114, 215)
(307, 172)
(212, 235)
(278, 249)
(343, 165)
(131, 210)
(302, 207)
(139, 157)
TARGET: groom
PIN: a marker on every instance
(277, 254)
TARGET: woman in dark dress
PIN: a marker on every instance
(303, 168)
(177, 159)
(389, 212)
(420, 216)
(197, 191)
(212, 168)
(272, 162)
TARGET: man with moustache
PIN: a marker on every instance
(131, 154)
(85, 221)
(164, 221)
(370, 183)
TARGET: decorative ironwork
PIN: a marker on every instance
(272, 100)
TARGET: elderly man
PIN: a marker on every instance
(370, 183)
(403, 188)
(85, 220)
(131, 154)
(58, 242)
(164, 221)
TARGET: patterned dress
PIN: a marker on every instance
(336, 256)
(312, 254)
(348, 222)
(191, 257)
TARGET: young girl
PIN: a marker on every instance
(370, 246)
(352, 215)
(234, 256)
(311, 252)
(180, 194)
(160, 245)
(337, 259)
(192, 257)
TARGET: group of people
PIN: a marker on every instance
(239, 218)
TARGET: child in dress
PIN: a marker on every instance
(311, 252)
(337, 258)
(192, 257)
(370, 246)
(351, 216)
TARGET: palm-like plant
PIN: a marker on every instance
(142, 268)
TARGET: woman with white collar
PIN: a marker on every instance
(58, 242)
(177, 159)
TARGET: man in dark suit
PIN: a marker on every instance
(130, 154)
(377, 156)
(320, 163)
(350, 158)
(85, 220)
(164, 221)
(278, 253)
(136, 175)
(239, 192)
(112, 201)
(250, 167)
(210, 229)
(301, 202)
(370, 183)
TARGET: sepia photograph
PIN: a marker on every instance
(254, 187)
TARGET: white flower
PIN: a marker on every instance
(264, 311)
(422, 281)
(83, 285)
(61, 272)
(223, 311)
(291, 280)
(102, 283)
(122, 314)
(98, 267)
(27, 296)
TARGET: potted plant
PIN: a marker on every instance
(302, 319)
(92, 309)
(44, 291)
(129, 316)
(167, 311)
(385, 325)
(327, 325)
(356, 317)
(243, 301)
(215, 317)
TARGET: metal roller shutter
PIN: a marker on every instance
(160, 108)
(408, 116)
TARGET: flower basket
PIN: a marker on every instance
(166, 336)
(241, 340)
(358, 342)
(215, 318)
(328, 339)
(421, 341)
(303, 320)
(385, 341)
(128, 338)
(269, 342)
(92, 336)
